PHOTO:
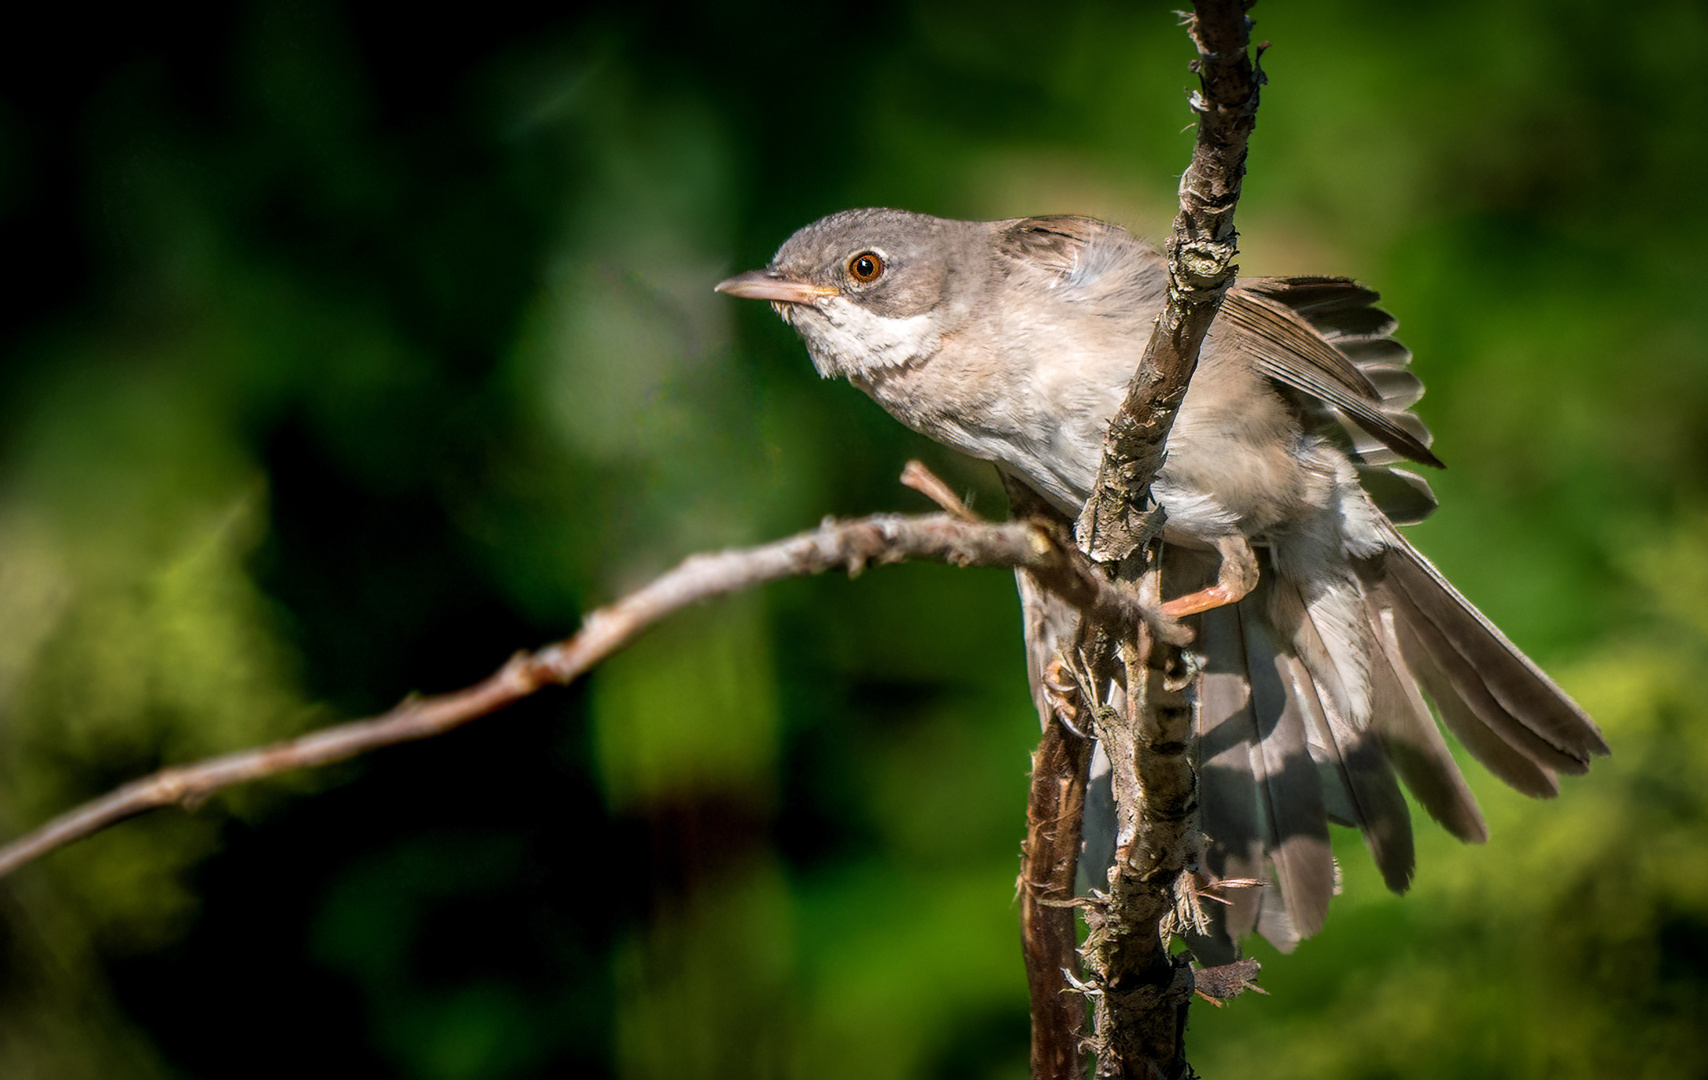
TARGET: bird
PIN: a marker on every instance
(1320, 630)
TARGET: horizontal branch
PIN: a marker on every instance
(847, 545)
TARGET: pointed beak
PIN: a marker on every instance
(775, 286)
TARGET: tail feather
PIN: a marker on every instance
(1413, 741)
(1497, 682)
(1449, 690)
(1509, 715)
(1358, 776)
(1261, 802)
(1310, 713)
(1235, 836)
(1275, 922)
(1289, 790)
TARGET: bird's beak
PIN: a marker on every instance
(775, 286)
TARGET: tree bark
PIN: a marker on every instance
(1143, 688)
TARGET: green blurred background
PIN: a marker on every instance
(350, 348)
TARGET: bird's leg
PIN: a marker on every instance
(1236, 577)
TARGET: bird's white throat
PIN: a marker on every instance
(846, 339)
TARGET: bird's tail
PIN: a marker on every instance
(1310, 711)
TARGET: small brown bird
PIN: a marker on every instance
(1319, 625)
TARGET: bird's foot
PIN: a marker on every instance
(1203, 600)
(1236, 577)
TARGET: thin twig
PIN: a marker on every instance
(916, 476)
(848, 545)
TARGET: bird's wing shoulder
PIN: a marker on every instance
(1054, 243)
(1084, 259)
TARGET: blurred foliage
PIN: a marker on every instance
(347, 351)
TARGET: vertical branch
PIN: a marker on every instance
(1120, 513)
(1140, 993)
(1051, 857)
(1055, 811)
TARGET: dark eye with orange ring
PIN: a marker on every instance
(866, 267)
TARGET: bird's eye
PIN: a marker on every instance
(866, 267)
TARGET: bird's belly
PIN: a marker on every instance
(1216, 479)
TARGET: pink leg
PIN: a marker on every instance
(1236, 577)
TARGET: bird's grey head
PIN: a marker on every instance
(867, 290)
